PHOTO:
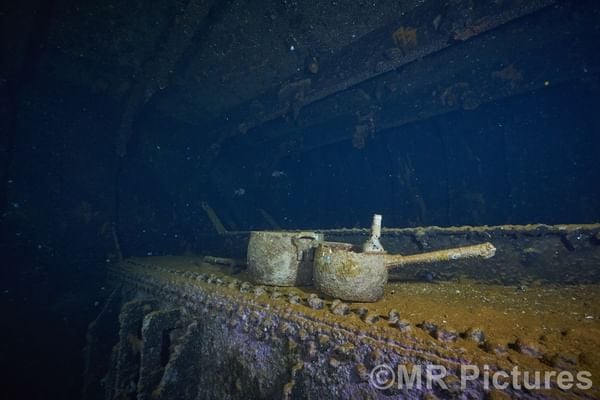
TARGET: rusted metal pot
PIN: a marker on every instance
(282, 258)
(342, 272)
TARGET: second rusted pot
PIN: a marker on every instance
(342, 272)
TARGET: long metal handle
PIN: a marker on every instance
(485, 250)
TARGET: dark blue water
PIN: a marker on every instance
(70, 204)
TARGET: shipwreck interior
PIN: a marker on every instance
(144, 142)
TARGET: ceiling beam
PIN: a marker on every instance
(423, 31)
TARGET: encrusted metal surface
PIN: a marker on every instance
(223, 337)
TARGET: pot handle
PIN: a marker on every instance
(484, 250)
(306, 235)
(297, 238)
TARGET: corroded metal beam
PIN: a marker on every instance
(425, 30)
(484, 70)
